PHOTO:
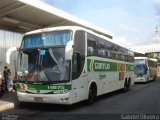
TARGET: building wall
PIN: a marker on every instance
(157, 55)
(8, 39)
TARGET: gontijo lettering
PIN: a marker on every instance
(100, 66)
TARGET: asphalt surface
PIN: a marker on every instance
(141, 100)
(8, 101)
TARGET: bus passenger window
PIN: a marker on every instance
(119, 56)
(122, 58)
(101, 53)
(92, 46)
(108, 55)
(90, 51)
(112, 55)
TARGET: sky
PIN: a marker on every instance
(132, 22)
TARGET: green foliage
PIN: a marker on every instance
(150, 55)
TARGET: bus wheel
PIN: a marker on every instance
(125, 88)
(128, 84)
(92, 93)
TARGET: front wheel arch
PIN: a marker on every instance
(125, 88)
(92, 93)
(128, 83)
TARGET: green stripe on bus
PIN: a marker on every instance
(105, 66)
(129, 67)
(46, 87)
(18, 86)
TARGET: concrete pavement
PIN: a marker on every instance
(8, 101)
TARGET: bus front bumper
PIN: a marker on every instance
(140, 79)
(45, 98)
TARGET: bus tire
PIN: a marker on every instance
(125, 88)
(128, 84)
(92, 94)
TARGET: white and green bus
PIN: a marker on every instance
(145, 69)
(69, 64)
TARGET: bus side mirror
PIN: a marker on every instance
(8, 53)
(146, 69)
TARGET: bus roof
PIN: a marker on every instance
(146, 58)
(49, 29)
(140, 57)
(74, 28)
(153, 59)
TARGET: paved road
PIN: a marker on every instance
(140, 99)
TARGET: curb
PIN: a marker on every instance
(6, 105)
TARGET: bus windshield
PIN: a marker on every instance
(140, 69)
(47, 64)
(53, 38)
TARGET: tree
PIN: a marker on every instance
(150, 55)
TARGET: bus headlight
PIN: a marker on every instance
(61, 91)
